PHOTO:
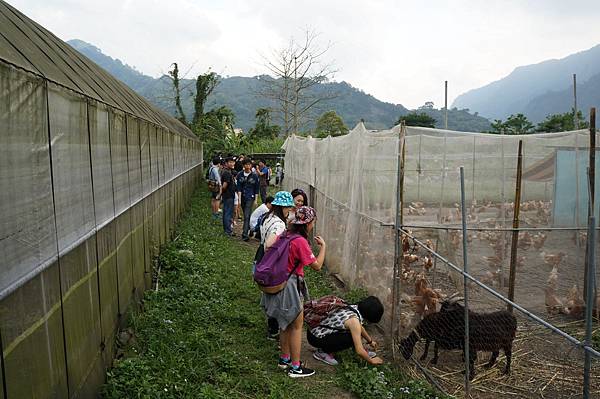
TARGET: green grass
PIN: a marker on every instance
(202, 335)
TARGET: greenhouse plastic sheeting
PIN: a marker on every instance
(71, 168)
(101, 165)
(27, 232)
(145, 159)
(133, 160)
(120, 169)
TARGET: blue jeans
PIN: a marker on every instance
(227, 215)
(247, 209)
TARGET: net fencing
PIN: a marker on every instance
(354, 180)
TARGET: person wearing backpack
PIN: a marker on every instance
(258, 215)
(271, 227)
(214, 186)
(287, 305)
(334, 325)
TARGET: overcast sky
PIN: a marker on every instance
(398, 51)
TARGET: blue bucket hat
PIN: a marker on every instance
(283, 198)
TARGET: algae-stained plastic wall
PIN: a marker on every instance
(92, 180)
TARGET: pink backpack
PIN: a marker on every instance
(271, 273)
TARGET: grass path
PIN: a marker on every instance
(202, 334)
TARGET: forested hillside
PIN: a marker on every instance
(242, 95)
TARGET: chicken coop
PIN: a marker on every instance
(389, 207)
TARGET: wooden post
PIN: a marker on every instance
(398, 253)
(592, 190)
(515, 233)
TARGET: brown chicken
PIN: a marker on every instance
(538, 240)
(425, 299)
(427, 262)
(554, 304)
(575, 304)
(553, 259)
(525, 240)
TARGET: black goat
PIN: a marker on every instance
(488, 332)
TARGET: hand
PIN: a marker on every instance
(320, 242)
(376, 360)
(374, 344)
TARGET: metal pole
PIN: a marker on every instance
(398, 255)
(465, 280)
(591, 186)
(575, 118)
(515, 234)
(446, 104)
(592, 156)
(589, 304)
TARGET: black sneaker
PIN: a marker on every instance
(273, 336)
(284, 364)
(300, 372)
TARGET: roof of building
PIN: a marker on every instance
(27, 45)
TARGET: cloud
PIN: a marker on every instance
(400, 52)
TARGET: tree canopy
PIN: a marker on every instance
(417, 119)
(562, 122)
(263, 129)
(514, 124)
(330, 124)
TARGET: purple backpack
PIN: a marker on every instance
(271, 273)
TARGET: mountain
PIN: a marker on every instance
(534, 90)
(240, 94)
(560, 101)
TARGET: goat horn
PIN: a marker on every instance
(451, 296)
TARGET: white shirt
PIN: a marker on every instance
(258, 212)
(271, 226)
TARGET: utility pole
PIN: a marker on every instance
(575, 118)
(446, 105)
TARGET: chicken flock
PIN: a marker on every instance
(418, 261)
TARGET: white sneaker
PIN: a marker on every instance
(325, 357)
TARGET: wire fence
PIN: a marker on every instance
(528, 338)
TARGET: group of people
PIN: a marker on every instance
(343, 327)
(235, 184)
(288, 214)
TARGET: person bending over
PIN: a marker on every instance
(343, 329)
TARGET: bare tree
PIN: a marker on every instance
(295, 71)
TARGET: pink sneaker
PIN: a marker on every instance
(325, 357)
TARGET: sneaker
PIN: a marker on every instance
(300, 372)
(273, 336)
(284, 364)
(245, 239)
(325, 358)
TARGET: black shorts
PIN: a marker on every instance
(215, 195)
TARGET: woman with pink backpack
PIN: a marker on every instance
(287, 305)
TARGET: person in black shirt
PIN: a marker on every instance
(228, 189)
(247, 187)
